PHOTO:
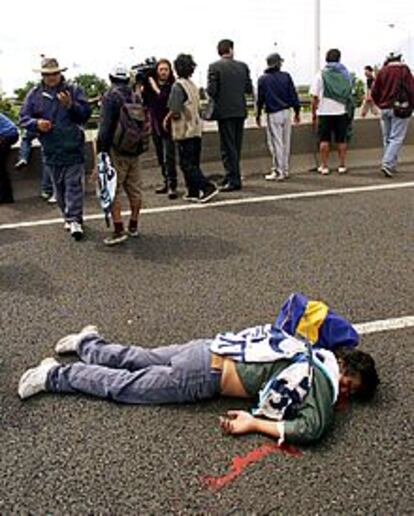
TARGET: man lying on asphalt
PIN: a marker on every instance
(297, 386)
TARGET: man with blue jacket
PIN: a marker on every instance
(277, 94)
(56, 110)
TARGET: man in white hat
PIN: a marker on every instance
(56, 110)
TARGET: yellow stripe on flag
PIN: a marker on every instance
(310, 322)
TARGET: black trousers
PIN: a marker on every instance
(6, 191)
(189, 152)
(165, 150)
(231, 139)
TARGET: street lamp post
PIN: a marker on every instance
(317, 43)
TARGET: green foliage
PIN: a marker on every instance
(9, 108)
(93, 85)
(358, 89)
(21, 93)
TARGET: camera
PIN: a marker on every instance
(145, 69)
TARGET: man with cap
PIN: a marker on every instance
(393, 82)
(277, 94)
(126, 165)
(57, 110)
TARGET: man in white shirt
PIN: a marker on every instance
(331, 93)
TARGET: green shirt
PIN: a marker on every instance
(314, 415)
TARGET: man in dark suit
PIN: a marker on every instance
(228, 83)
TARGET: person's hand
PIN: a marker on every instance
(314, 121)
(258, 121)
(237, 422)
(154, 85)
(44, 126)
(166, 124)
(65, 98)
(296, 119)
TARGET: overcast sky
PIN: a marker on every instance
(92, 37)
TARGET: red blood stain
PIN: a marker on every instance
(240, 462)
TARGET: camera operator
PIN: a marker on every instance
(157, 88)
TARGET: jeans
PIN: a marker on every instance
(231, 139)
(278, 139)
(68, 184)
(135, 375)
(189, 152)
(165, 149)
(25, 154)
(394, 130)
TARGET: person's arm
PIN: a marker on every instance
(248, 87)
(213, 82)
(259, 102)
(295, 100)
(316, 93)
(107, 125)
(26, 116)
(239, 422)
(376, 88)
(80, 109)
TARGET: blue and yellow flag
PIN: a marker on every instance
(315, 322)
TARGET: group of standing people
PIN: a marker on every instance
(56, 111)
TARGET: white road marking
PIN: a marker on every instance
(224, 203)
(398, 323)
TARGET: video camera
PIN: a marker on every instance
(145, 69)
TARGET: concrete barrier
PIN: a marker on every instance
(366, 135)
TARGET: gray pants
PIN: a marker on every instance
(68, 182)
(394, 131)
(131, 374)
(278, 139)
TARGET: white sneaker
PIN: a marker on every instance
(70, 343)
(52, 199)
(342, 170)
(272, 176)
(324, 170)
(34, 380)
(66, 226)
(286, 174)
(76, 230)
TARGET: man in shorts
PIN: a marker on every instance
(127, 166)
(331, 93)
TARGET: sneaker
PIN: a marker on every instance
(70, 343)
(20, 164)
(66, 225)
(272, 176)
(76, 231)
(286, 174)
(45, 195)
(52, 199)
(161, 189)
(387, 171)
(342, 170)
(207, 194)
(116, 238)
(133, 229)
(324, 170)
(172, 194)
(191, 198)
(34, 380)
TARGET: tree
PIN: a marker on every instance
(21, 93)
(8, 108)
(93, 85)
(358, 89)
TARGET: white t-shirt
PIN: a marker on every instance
(326, 106)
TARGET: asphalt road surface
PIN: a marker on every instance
(195, 273)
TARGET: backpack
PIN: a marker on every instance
(132, 132)
(401, 104)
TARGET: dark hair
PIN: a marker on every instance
(168, 63)
(184, 65)
(117, 80)
(224, 46)
(369, 68)
(333, 55)
(359, 362)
